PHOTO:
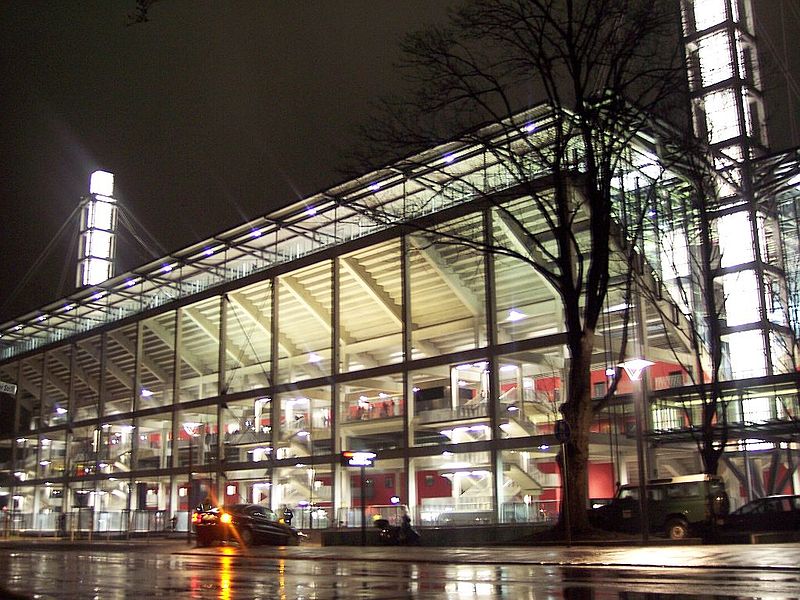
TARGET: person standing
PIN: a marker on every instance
(62, 524)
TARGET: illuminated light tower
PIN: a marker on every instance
(728, 112)
(98, 223)
(724, 79)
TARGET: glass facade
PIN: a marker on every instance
(244, 380)
(463, 429)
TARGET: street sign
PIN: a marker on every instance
(358, 459)
(8, 388)
(562, 431)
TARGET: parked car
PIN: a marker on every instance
(771, 513)
(676, 506)
(244, 523)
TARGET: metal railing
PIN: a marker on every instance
(88, 523)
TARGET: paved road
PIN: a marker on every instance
(158, 569)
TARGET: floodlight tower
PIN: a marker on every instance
(97, 244)
(728, 112)
(724, 78)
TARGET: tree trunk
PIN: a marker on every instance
(577, 412)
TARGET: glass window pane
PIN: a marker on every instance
(199, 355)
(30, 393)
(248, 338)
(83, 449)
(52, 454)
(305, 323)
(450, 404)
(741, 289)
(120, 370)
(530, 392)
(247, 486)
(527, 305)
(149, 503)
(86, 378)
(529, 492)
(371, 414)
(305, 423)
(156, 369)
(116, 447)
(197, 436)
(370, 301)
(27, 460)
(454, 488)
(24, 504)
(735, 234)
(447, 289)
(722, 120)
(708, 13)
(746, 349)
(716, 61)
(384, 494)
(302, 490)
(154, 441)
(247, 430)
(55, 407)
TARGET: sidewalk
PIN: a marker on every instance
(767, 557)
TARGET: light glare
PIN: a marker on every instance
(101, 183)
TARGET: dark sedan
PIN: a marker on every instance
(771, 513)
(244, 523)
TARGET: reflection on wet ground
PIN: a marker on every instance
(233, 573)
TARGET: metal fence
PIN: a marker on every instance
(85, 522)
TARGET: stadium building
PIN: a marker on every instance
(240, 368)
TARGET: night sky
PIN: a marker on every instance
(209, 114)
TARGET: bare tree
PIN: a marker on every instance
(691, 278)
(602, 69)
(688, 278)
(142, 12)
(780, 247)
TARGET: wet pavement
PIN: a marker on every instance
(784, 556)
(735, 556)
(158, 568)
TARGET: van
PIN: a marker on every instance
(676, 507)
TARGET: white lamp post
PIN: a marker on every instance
(193, 430)
(635, 368)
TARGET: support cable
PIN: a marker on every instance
(34, 268)
(248, 337)
(782, 62)
(131, 223)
